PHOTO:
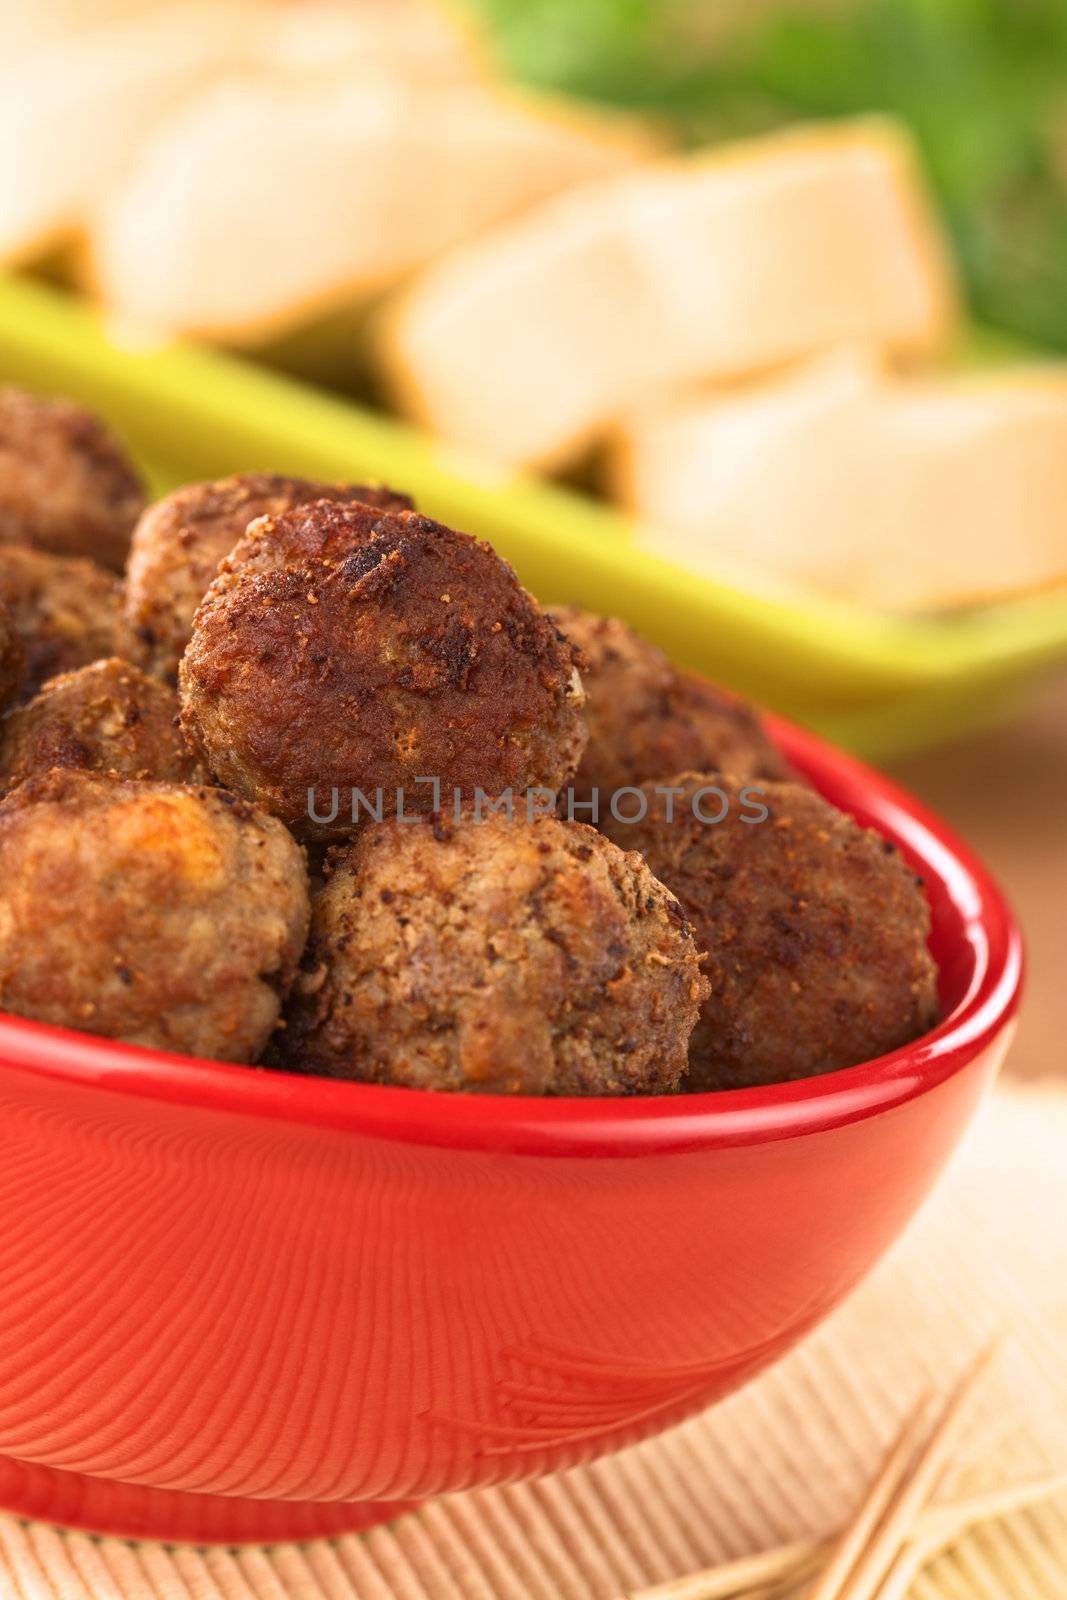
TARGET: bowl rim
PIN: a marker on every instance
(612, 1126)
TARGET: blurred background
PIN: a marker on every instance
(743, 321)
(982, 84)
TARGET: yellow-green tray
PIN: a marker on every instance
(879, 684)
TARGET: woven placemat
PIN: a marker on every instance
(787, 1457)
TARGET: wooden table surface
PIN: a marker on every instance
(1006, 792)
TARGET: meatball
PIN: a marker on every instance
(65, 484)
(495, 956)
(647, 719)
(147, 912)
(179, 542)
(341, 658)
(814, 929)
(66, 612)
(10, 658)
(107, 717)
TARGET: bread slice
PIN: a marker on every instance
(265, 202)
(526, 344)
(894, 493)
(75, 111)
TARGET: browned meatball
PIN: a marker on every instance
(815, 930)
(179, 542)
(65, 484)
(11, 659)
(497, 956)
(648, 720)
(107, 717)
(398, 653)
(66, 612)
(149, 913)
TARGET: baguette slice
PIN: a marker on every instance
(73, 112)
(529, 342)
(845, 478)
(263, 203)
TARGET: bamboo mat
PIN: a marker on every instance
(786, 1458)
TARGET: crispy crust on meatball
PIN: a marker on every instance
(66, 485)
(495, 957)
(107, 717)
(66, 612)
(149, 913)
(398, 652)
(179, 542)
(11, 658)
(648, 720)
(321, 533)
(814, 928)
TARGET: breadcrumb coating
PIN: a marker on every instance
(66, 612)
(342, 651)
(151, 913)
(815, 930)
(496, 957)
(648, 720)
(107, 717)
(180, 541)
(66, 485)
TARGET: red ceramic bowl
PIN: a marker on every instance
(240, 1305)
